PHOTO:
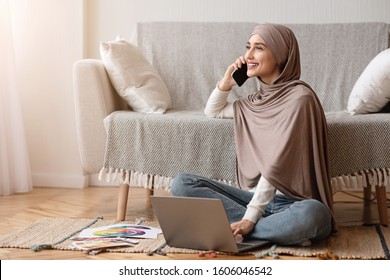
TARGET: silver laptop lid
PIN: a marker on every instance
(194, 223)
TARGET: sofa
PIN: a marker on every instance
(148, 148)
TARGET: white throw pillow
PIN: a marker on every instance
(134, 78)
(372, 90)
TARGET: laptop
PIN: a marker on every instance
(198, 223)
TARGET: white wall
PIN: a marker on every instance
(52, 34)
(48, 38)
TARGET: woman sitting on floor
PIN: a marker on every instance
(281, 144)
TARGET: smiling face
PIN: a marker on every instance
(260, 60)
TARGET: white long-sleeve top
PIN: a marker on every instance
(218, 107)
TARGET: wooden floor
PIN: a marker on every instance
(20, 210)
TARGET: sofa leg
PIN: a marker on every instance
(367, 215)
(122, 202)
(382, 205)
(367, 195)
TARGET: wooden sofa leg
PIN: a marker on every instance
(367, 216)
(367, 195)
(122, 202)
(382, 205)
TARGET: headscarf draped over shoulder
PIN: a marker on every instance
(281, 130)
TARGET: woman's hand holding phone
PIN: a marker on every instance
(240, 75)
(228, 80)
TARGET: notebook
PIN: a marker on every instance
(198, 223)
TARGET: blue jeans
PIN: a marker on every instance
(285, 221)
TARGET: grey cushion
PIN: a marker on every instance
(192, 57)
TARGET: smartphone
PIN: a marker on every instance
(240, 75)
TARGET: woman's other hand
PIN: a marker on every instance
(242, 227)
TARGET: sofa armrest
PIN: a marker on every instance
(95, 98)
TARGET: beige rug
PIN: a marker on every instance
(353, 242)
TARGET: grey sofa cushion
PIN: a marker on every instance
(192, 57)
(334, 55)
